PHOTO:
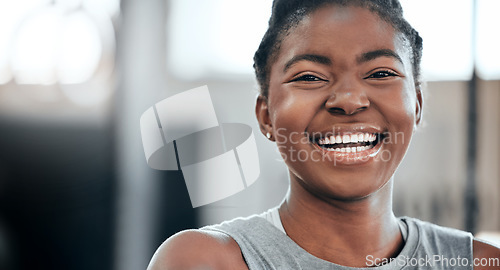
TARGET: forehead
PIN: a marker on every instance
(341, 31)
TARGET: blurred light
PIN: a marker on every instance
(215, 38)
(62, 41)
(68, 4)
(34, 48)
(56, 45)
(488, 39)
(5, 74)
(80, 50)
(11, 14)
(108, 7)
(446, 27)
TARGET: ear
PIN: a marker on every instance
(262, 113)
(418, 107)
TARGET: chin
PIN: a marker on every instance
(355, 195)
(344, 189)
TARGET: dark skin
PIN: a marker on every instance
(342, 213)
(337, 211)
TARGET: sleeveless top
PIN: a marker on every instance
(265, 245)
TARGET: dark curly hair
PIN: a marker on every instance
(286, 14)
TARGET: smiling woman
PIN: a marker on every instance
(340, 96)
(363, 86)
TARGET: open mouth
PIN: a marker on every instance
(349, 143)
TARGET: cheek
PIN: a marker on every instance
(399, 107)
(409, 95)
(291, 110)
(409, 101)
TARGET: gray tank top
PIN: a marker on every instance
(265, 245)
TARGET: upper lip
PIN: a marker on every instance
(343, 129)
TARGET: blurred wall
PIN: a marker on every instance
(151, 205)
(488, 162)
(57, 194)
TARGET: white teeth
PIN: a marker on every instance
(350, 149)
(351, 138)
(354, 138)
(346, 139)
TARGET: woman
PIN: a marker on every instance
(340, 96)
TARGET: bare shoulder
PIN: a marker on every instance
(486, 256)
(196, 249)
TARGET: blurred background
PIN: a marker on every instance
(76, 75)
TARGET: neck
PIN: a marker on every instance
(342, 231)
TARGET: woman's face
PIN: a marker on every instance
(342, 104)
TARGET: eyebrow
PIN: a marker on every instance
(320, 59)
(372, 55)
(363, 58)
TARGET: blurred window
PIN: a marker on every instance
(214, 38)
(65, 43)
(488, 39)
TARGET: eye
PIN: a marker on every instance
(307, 78)
(382, 74)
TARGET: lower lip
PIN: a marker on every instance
(344, 158)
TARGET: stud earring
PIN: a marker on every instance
(268, 135)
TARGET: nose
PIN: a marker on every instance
(347, 98)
